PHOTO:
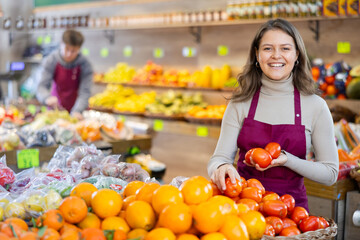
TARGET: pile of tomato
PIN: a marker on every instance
(282, 217)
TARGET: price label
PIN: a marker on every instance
(127, 51)
(222, 50)
(27, 158)
(343, 47)
(158, 125)
(158, 53)
(47, 39)
(39, 40)
(104, 52)
(85, 51)
(202, 131)
(32, 109)
(189, 51)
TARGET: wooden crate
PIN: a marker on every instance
(336, 191)
(45, 154)
(143, 142)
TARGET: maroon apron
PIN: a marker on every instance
(291, 138)
(66, 85)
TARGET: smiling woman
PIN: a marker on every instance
(276, 102)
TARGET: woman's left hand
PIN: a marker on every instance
(280, 161)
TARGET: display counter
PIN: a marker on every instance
(330, 201)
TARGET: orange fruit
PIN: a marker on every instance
(52, 218)
(3, 236)
(160, 234)
(331, 90)
(106, 203)
(127, 201)
(115, 223)
(227, 205)
(146, 192)
(132, 187)
(122, 214)
(208, 217)
(251, 203)
(27, 236)
(165, 195)
(137, 233)
(71, 235)
(119, 235)
(140, 214)
(10, 228)
(187, 236)
(84, 190)
(50, 234)
(90, 221)
(242, 207)
(213, 236)
(196, 190)
(255, 223)
(234, 228)
(18, 221)
(69, 226)
(92, 234)
(73, 209)
(177, 217)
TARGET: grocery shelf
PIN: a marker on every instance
(192, 24)
(97, 4)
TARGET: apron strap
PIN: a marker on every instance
(297, 107)
(253, 105)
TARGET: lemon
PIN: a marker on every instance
(52, 200)
(1, 214)
(4, 202)
(15, 209)
(34, 203)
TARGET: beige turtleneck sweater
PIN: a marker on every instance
(276, 106)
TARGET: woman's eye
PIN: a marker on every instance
(267, 49)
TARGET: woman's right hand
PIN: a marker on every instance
(219, 175)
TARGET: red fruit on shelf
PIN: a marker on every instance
(323, 223)
(232, 189)
(289, 202)
(275, 208)
(298, 214)
(290, 231)
(261, 157)
(276, 223)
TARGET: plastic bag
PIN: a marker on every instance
(100, 182)
(131, 171)
(7, 176)
(22, 180)
(177, 181)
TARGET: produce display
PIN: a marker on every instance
(188, 208)
(155, 75)
(336, 80)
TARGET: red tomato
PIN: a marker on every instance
(311, 223)
(271, 196)
(298, 214)
(323, 223)
(261, 157)
(275, 208)
(288, 222)
(232, 190)
(289, 202)
(253, 182)
(248, 155)
(290, 231)
(252, 193)
(216, 190)
(243, 182)
(261, 208)
(274, 149)
(276, 222)
(269, 230)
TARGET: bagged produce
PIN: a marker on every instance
(7, 176)
(100, 182)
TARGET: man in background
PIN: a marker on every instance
(66, 76)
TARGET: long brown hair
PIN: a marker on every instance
(250, 78)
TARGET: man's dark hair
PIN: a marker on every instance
(73, 38)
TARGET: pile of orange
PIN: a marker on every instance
(148, 211)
